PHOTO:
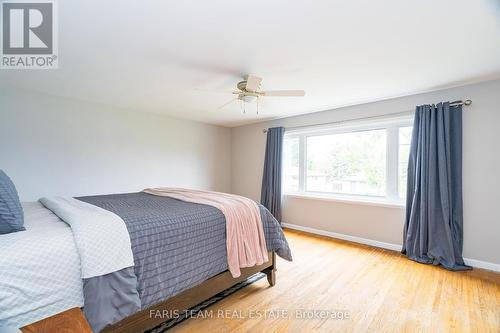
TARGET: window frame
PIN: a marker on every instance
(391, 124)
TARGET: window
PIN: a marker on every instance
(363, 160)
(403, 154)
(291, 164)
(349, 163)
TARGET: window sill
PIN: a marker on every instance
(348, 200)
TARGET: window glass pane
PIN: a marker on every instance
(291, 164)
(347, 163)
(404, 152)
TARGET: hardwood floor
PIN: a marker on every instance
(380, 290)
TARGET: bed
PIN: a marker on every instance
(179, 259)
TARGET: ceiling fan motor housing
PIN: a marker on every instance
(246, 95)
(242, 85)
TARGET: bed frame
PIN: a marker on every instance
(145, 319)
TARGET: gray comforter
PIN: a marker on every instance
(176, 245)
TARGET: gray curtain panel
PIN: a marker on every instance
(433, 232)
(270, 195)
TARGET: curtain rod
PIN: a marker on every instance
(467, 102)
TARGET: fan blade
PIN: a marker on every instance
(253, 83)
(284, 93)
(226, 104)
(217, 91)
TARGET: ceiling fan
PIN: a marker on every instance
(249, 92)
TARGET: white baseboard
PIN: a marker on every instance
(390, 246)
(482, 264)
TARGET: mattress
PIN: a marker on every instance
(177, 245)
(39, 269)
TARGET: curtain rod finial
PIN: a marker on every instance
(468, 102)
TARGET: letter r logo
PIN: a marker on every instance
(27, 28)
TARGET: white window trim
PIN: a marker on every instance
(390, 124)
(349, 199)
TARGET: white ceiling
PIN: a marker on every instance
(161, 56)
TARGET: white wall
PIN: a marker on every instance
(57, 146)
(481, 172)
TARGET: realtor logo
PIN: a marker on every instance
(29, 35)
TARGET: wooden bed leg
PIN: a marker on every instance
(271, 277)
(271, 271)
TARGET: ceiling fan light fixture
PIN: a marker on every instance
(248, 98)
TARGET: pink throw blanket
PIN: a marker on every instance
(246, 244)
